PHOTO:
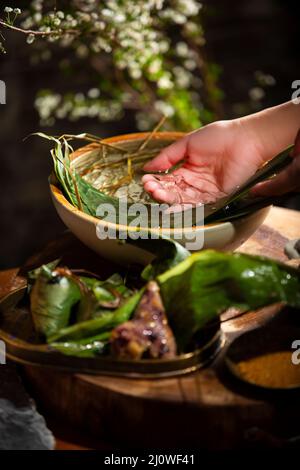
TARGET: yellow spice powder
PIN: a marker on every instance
(273, 370)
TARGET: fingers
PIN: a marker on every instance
(168, 156)
(154, 187)
(185, 189)
(162, 195)
(165, 160)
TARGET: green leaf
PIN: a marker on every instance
(168, 254)
(101, 324)
(108, 290)
(51, 300)
(88, 347)
(45, 268)
(198, 290)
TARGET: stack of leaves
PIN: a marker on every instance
(76, 315)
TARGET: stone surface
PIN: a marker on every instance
(292, 249)
(21, 426)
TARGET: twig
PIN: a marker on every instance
(39, 33)
(146, 141)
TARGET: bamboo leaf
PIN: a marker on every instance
(205, 284)
(88, 347)
(104, 323)
(51, 300)
(168, 254)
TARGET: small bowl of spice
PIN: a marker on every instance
(267, 357)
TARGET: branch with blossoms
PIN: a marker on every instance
(8, 23)
(30, 32)
(136, 55)
(12, 15)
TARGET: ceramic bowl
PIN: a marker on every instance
(221, 236)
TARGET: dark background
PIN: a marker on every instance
(242, 37)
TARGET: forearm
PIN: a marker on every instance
(274, 128)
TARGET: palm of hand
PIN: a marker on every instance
(216, 162)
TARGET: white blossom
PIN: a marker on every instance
(165, 82)
(165, 108)
(94, 93)
(82, 51)
(47, 104)
(155, 66)
(37, 5)
(189, 7)
(132, 37)
(135, 73)
(256, 93)
(37, 17)
(56, 21)
(190, 64)
(30, 38)
(182, 49)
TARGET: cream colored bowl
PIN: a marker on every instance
(222, 236)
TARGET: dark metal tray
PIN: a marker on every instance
(16, 330)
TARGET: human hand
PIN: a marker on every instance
(288, 180)
(216, 160)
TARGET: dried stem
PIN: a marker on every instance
(114, 186)
(150, 136)
(92, 138)
(135, 158)
(132, 158)
(129, 168)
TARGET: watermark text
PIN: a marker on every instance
(2, 92)
(141, 221)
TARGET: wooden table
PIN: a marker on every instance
(206, 409)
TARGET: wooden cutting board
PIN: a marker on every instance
(206, 409)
